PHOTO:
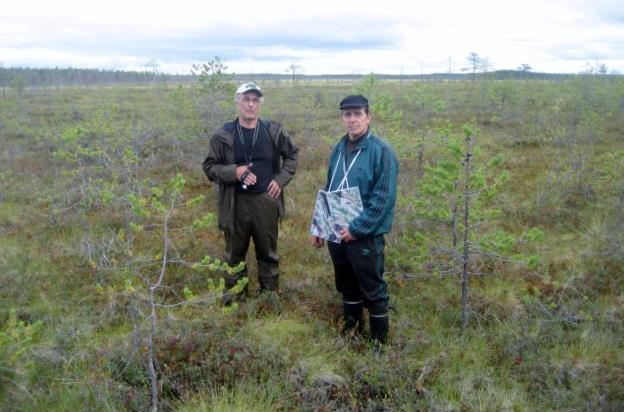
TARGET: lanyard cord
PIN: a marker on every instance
(346, 171)
(345, 181)
(254, 139)
(331, 182)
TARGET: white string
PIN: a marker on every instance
(344, 169)
(331, 182)
(344, 184)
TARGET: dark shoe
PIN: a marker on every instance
(270, 287)
(232, 280)
(262, 290)
(353, 322)
(379, 325)
(228, 297)
(268, 275)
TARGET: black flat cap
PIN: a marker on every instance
(353, 102)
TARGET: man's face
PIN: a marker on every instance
(356, 121)
(248, 105)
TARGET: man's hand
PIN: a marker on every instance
(274, 189)
(245, 176)
(317, 241)
(346, 236)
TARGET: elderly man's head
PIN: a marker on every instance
(248, 98)
(249, 89)
(355, 115)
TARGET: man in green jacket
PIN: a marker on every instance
(251, 160)
(362, 160)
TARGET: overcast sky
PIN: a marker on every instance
(320, 36)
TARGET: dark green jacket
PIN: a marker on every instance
(220, 166)
(375, 173)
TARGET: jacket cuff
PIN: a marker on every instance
(229, 173)
(356, 233)
(281, 180)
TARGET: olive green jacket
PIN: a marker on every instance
(220, 166)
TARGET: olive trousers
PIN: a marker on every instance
(255, 217)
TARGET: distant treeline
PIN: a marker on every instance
(20, 77)
(496, 75)
(56, 77)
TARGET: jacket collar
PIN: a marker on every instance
(228, 132)
(362, 143)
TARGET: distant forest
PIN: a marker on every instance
(23, 77)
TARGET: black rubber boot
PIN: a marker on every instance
(268, 275)
(228, 296)
(379, 325)
(352, 318)
(379, 333)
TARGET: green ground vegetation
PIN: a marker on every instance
(90, 178)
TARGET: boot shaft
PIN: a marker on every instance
(352, 317)
(379, 325)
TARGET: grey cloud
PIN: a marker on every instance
(226, 40)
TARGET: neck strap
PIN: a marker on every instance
(254, 139)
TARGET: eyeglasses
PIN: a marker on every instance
(247, 99)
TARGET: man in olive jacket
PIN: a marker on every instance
(251, 160)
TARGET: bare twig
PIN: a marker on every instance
(152, 302)
(466, 251)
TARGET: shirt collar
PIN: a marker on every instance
(362, 142)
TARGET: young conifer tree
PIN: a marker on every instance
(458, 193)
(143, 258)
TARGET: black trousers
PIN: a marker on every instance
(256, 217)
(359, 268)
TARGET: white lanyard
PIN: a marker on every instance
(345, 182)
(345, 170)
